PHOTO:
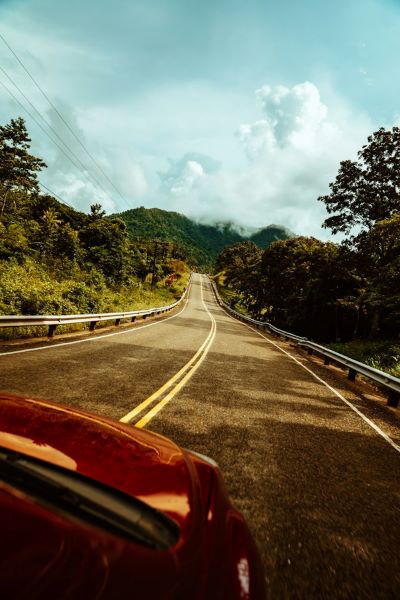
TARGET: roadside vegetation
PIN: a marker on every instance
(56, 260)
(380, 354)
(346, 295)
(230, 295)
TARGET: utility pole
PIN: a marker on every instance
(154, 262)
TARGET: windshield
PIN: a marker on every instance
(77, 496)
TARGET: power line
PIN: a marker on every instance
(85, 170)
(56, 196)
(44, 131)
(60, 115)
(38, 124)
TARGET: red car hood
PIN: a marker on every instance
(139, 463)
(40, 548)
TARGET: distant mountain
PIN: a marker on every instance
(272, 233)
(202, 243)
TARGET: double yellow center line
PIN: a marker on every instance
(166, 392)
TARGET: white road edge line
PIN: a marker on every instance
(98, 338)
(373, 425)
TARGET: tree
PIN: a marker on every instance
(368, 190)
(96, 212)
(378, 254)
(309, 288)
(49, 232)
(106, 245)
(237, 259)
(240, 263)
(18, 168)
(13, 241)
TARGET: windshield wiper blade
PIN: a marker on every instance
(88, 500)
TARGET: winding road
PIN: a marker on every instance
(311, 460)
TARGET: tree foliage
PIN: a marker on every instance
(18, 168)
(310, 287)
(368, 190)
(240, 264)
(240, 258)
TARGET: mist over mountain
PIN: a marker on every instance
(201, 242)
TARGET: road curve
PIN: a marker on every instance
(318, 485)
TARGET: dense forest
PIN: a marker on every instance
(54, 259)
(333, 292)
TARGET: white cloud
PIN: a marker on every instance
(190, 175)
(185, 174)
(257, 139)
(293, 153)
(293, 117)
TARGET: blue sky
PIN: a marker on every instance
(220, 109)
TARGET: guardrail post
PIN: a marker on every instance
(117, 322)
(393, 399)
(309, 351)
(51, 331)
(92, 325)
(144, 316)
(133, 319)
(352, 375)
(327, 361)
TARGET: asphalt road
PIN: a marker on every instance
(318, 485)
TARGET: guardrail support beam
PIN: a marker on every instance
(393, 399)
(92, 325)
(133, 319)
(51, 331)
(352, 375)
(117, 322)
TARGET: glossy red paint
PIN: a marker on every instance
(45, 554)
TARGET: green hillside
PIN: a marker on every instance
(201, 242)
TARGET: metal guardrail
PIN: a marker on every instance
(263, 324)
(389, 382)
(92, 318)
